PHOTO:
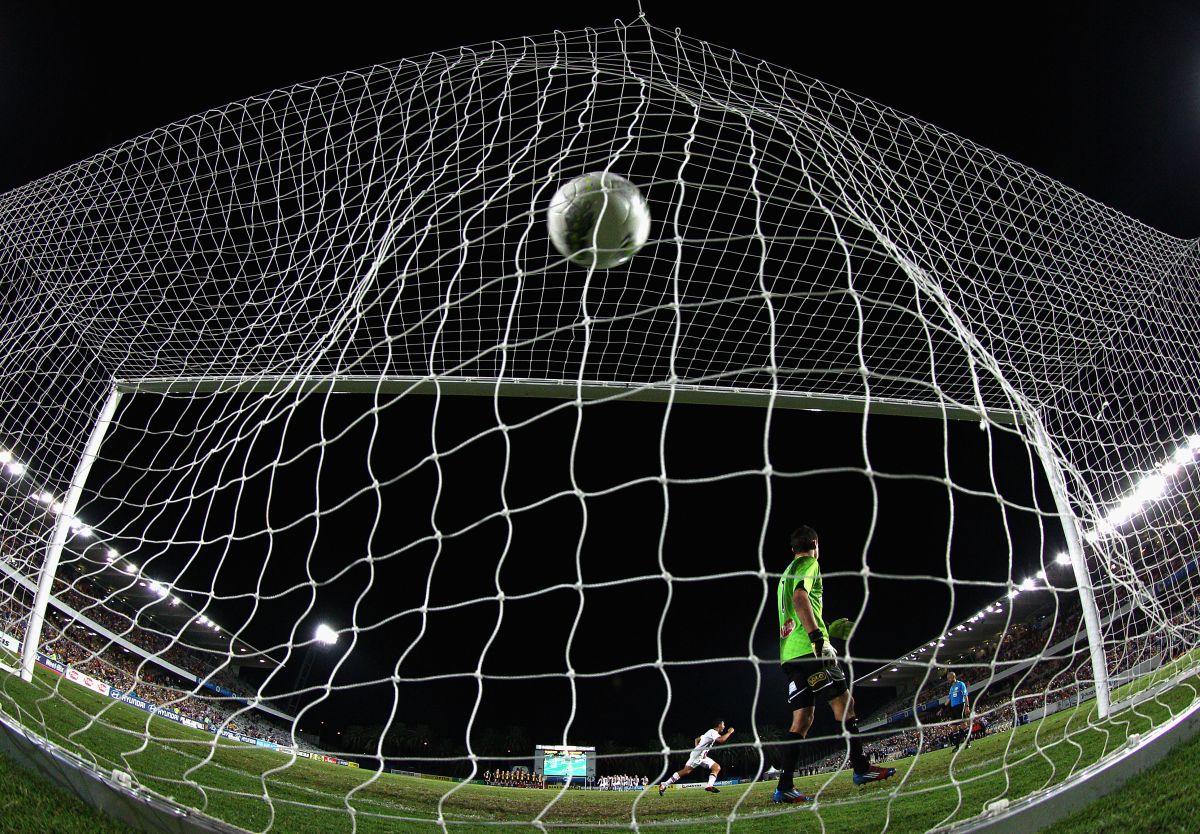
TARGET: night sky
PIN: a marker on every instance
(1105, 100)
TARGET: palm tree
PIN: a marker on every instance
(422, 738)
(354, 738)
(489, 743)
(516, 741)
(396, 738)
(772, 751)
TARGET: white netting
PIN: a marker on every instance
(287, 290)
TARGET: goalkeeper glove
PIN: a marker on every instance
(841, 628)
(821, 650)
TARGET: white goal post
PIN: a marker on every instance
(62, 528)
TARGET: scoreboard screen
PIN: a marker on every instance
(559, 761)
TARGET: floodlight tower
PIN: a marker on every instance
(324, 635)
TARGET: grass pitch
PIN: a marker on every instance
(260, 790)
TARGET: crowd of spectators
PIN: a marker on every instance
(134, 627)
(12, 613)
(1015, 648)
(622, 782)
(72, 643)
(932, 736)
(111, 614)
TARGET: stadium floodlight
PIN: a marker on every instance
(1151, 488)
(130, 567)
(1170, 469)
(1124, 511)
(1013, 593)
(1193, 442)
(174, 600)
(1063, 558)
(112, 555)
(16, 469)
(325, 634)
(1028, 583)
(45, 497)
(1183, 456)
(5, 456)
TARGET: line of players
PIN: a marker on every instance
(622, 783)
(513, 779)
(811, 666)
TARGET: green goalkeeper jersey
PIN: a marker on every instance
(793, 638)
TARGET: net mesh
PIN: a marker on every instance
(278, 286)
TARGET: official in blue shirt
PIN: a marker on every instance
(960, 705)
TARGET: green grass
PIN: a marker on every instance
(30, 802)
(1164, 799)
(257, 789)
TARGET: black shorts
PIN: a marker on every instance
(960, 712)
(809, 677)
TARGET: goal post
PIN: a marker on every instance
(1079, 566)
(692, 393)
(705, 393)
(62, 529)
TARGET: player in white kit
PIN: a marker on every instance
(699, 758)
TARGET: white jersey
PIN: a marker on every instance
(706, 742)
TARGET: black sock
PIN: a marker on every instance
(791, 755)
(858, 759)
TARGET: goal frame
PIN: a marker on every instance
(564, 390)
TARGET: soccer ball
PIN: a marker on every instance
(598, 220)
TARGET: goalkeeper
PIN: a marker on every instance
(811, 665)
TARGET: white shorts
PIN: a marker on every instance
(703, 761)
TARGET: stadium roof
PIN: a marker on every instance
(162, 611)
(951, 648)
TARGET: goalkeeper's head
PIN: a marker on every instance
(804, 541)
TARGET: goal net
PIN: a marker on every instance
(320, 462)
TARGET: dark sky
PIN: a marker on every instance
(1105, 99)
